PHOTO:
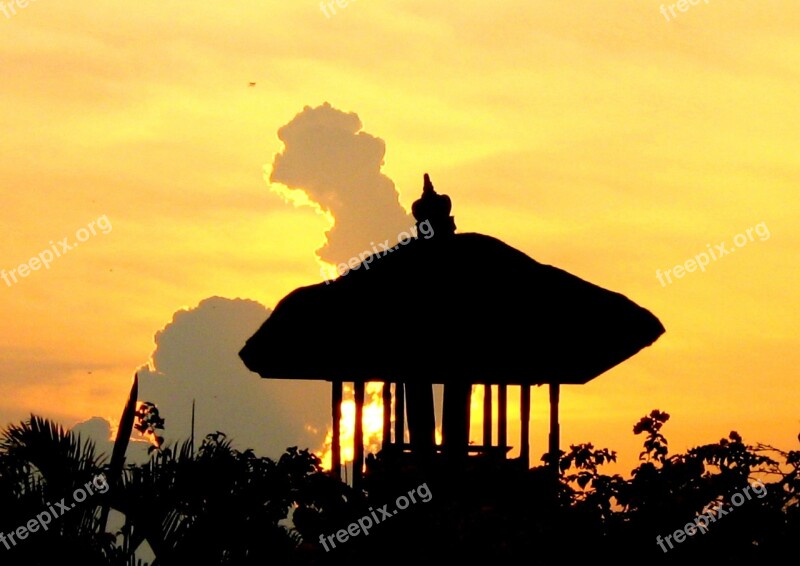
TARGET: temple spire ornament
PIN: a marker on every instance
(434, 208)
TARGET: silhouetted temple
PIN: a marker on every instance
(458, 310)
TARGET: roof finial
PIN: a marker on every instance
(433, 208)
(427, 187)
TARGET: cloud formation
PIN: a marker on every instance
(99, 431)
(338, 168)
(196, 358)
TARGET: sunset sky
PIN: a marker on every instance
(610, 139)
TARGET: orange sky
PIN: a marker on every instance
(595, 136)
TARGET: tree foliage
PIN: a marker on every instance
(219, 505)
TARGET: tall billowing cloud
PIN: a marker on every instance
(196, 358)
(99, 430)
(338, 168)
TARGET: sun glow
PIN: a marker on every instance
(372, 423)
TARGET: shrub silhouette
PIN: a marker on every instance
(219, 505)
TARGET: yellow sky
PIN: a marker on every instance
(593, 135)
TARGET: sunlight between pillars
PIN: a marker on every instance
(358, 431)
(393, 397)
(359, 389)
(502, 420)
